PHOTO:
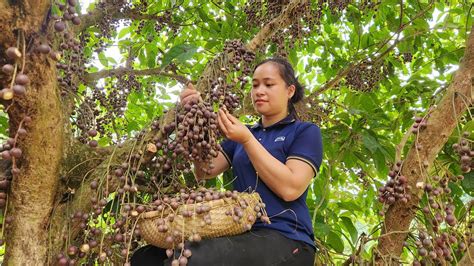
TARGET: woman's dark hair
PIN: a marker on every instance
(288, 74)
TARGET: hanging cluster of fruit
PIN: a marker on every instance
(444, 230)
(366, 75)
(70, 55)
(464, 149)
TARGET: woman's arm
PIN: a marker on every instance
(288, 181)
(220, 165)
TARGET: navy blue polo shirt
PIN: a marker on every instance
(286, 139)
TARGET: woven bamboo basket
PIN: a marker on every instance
(183, 227)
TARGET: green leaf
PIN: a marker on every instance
(180, 52)
(321, 229)
(103, 60)
(3, 125)
(468, 183)
(347, 222)
(123, 32)
(152, 53)
(370, 142)
(350, 206)
(202, 15)
(335, 241)
(104, 141)
(112, 205)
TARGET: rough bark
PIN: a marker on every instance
(34, 189)
(468, 258)
(441, 123)
(26, 15)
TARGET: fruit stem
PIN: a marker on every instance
(22, 34)
(4, 216)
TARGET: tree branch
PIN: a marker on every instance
(468, 258)
(286, 17)
(333, 82)
(90, 78)
(115, 12)
(440, 125)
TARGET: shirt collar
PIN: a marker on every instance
(285, 121)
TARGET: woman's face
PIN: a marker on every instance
(270, 93)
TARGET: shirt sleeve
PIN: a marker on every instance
(228, 148)
(307, 146)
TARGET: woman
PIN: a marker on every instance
(277, 157)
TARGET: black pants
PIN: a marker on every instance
(257, 247)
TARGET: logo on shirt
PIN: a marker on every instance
(280, 138)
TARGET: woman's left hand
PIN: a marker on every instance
(232, 128)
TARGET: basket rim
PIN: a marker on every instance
(214, 204)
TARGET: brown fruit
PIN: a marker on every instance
(16, 152)
(140, 209)
(6, 155)
(59, 26)
(7, 94)
(4, 184)
(85, 248)
(196, 238)
(55, 55)
(92, 132)
(93, 143)
(93, 243)
(187, 253)
(62, 262)
(466, 159)
(94, 184)
(422, 252)
(76, 20)
(22, 132)
(43, 48)
(72, 250)
(19, 89)
(2, 203)
(450, 219)
(118, 238)
(8, 69)
(13, 53)
(22, 79)
(183, 261)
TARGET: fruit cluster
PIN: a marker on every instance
(396, 188)
(465, 152)
(366, 75)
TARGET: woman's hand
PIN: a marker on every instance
(232, 128)
(189, 94)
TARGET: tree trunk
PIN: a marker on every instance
(441, 123)
(468, 258)
(33, 189)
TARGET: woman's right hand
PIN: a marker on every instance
(189, 94)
